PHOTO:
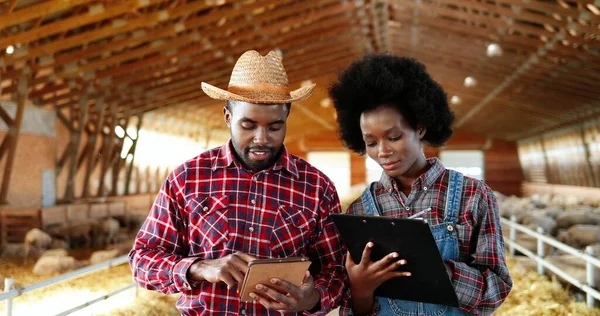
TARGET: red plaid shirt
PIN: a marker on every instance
(210, 207)
(480, 276)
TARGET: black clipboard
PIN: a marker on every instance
(412, 239)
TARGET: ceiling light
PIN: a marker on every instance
(306, 83)
(494, 50)
(10, 49)
(326, 102)
(470, 82)
(455, 100)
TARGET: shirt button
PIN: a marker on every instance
(425, 188)
(251, 229)
(253, 201)
(450, 228)
(408, 208)
(243, 312)
(205, 208)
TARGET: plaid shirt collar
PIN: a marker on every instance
(425, 180)
(225, 158)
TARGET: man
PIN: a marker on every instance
(248, 199)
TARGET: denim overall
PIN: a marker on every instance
(446, 240)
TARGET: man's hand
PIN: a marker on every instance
(286, 297)
(230, 269)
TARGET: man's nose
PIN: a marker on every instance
(260, 138)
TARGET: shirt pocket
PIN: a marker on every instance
(208, 224)
(292, 231)
(464, 234)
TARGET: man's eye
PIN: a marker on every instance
(247, 126)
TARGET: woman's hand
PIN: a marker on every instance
(367, 276)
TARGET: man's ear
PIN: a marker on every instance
(227, 116)
(421, 130)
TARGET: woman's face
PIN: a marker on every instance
(392, 142)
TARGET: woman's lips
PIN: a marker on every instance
(390, 165)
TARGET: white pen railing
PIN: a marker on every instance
(10, 292)
(592, 262)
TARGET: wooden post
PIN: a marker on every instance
(13, 133)
(107, 148)
(91, 145)
(80, 119)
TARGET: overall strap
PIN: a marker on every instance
(455, 181)
(369, 202)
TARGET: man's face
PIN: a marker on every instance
(257, 132)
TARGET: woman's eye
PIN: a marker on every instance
(395, 138)
(371, 144)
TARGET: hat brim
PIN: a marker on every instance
(220, 94)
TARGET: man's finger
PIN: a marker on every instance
(267, 302)
(237, 275)
(283, 286)
(271, 293)
(366, 255)
(308, 279)
(239, 261)
(228, 279)
(244, 256)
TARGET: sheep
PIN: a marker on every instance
(545, 222)
(103, 255)
(56, 264)
(73, 232)
(570, 218)
(10, 250)
(36, 239)
(105, 232)
(54, 253)
(584, 235)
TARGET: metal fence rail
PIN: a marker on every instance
(591, 262)
(10, 293)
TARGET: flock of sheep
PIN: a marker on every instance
(569, 219)
(51, 245)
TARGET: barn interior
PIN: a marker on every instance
(100, 100)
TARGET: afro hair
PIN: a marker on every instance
(382, 79)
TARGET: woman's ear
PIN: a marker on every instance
(421, 130)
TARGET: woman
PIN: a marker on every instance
(388, 107)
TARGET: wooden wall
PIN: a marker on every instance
(34, 154)
(501, 160)
(502, 168)
(569, 156)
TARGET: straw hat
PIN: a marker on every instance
(258, 79)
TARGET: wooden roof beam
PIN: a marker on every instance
(73, 22)
(36, 11)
